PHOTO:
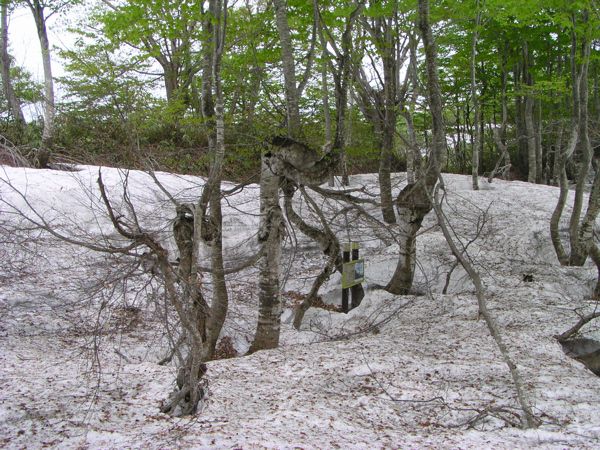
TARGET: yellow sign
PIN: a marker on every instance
(353, 273)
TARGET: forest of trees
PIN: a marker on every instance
(133, 83)
(298, 93)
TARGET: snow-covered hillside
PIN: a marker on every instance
(81, 333)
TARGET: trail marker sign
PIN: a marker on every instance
(353, 274)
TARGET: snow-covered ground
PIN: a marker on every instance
(81, 333)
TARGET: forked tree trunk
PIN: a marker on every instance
(586, 230)
(580, 232)
(380, 105)
(414, 202)
(578, 242)
(413, 205)
(563, 182)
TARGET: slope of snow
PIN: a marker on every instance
(78, 355)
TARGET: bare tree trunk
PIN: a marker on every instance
(500, 136)
(557, 151)
(272, 225)
(329, 245)
(563, 182)
(326, 111)
(531, 173)
(208, 322)
(220, 300)
(9, 93)
(171, 81)
(586, 231)
(347, 142)
(414, 202)
(413, 158)
(578, 248)
(270, 236)
(580, 234)
(390, 89)
(529, 121)
(522, 397)
(475, 99)
(289, 71)
(413, 153)
(413, 205)
(385, 179)
(595, 255)
(37, 9)
(539, 156)
(438, 152)
(341, 75)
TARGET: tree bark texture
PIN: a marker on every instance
(270, 235)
